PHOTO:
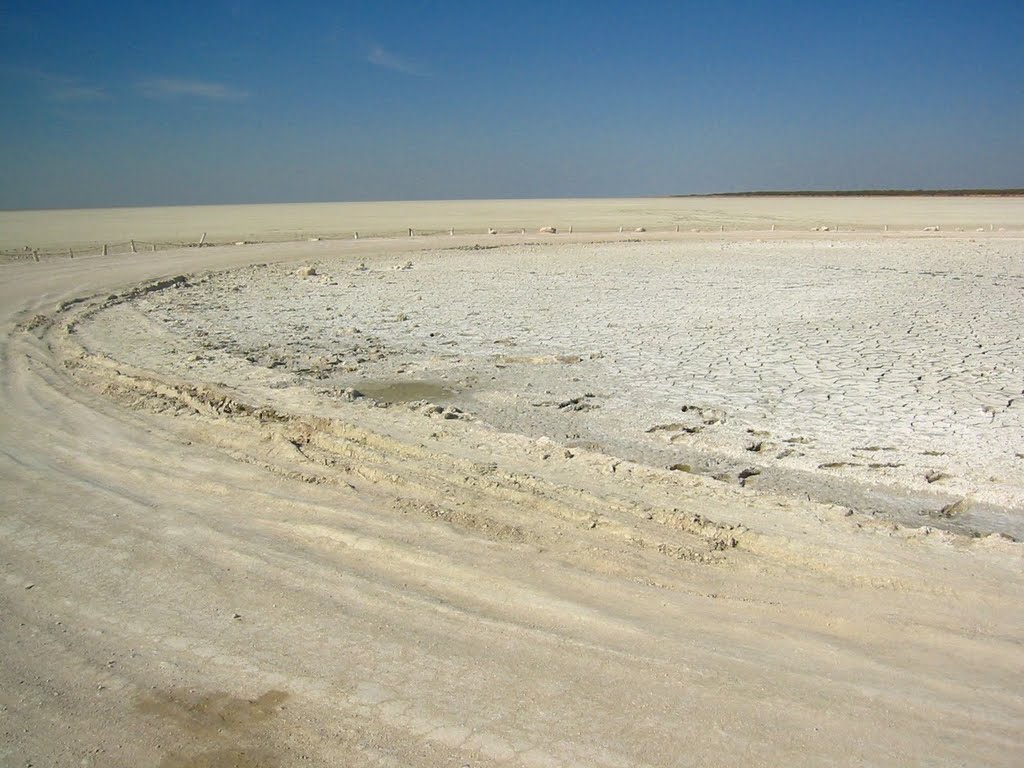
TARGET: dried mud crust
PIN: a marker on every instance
(352, 442)
(824, 373)
(420, 480)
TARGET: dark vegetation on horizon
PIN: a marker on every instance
(871, 193)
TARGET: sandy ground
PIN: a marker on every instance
(213, 556)
(56, 230)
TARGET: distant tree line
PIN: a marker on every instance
(871, 193)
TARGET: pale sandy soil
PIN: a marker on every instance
(212, 558)
(55, 230)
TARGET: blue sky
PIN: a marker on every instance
(128, 103)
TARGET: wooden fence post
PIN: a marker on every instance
(355, 236)
(133, 247)
(71, 254)
(104, 249)
(202, 240)
(152, 247)
(35, 255)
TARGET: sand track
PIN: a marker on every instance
(206, 574)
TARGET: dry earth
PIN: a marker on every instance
(59, 230)
(215, 556)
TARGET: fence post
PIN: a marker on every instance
(104, 249)
(570, 229)
(410, 231)
(451, 231)
(152, 247)
(35, 255)
(677, 227)
(202, 240)
(355, 236)
(773, 227)
(71, 254)
(133, 247)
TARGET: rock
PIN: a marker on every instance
(349, 394)
(980, 229)
(491, 231)
(954, 509)
(547, 231)
(640, 229)
(931, 229)
(305, 271)
(241, 242)
(706, 414)
(749, 472)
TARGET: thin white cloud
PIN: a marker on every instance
(388, 60)
(169, 87)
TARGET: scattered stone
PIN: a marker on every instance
(954, 509)
(640, 229)
(491, 231)
(931, 229)
(706, 414)
(749, 472)
(547, 231)
(935, 476)
(681, 468)
(306, 271)
(349, 394)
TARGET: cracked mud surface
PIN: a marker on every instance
(888, 377)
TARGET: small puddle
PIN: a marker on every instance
(405, 391)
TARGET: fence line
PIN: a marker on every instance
(133, 246)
